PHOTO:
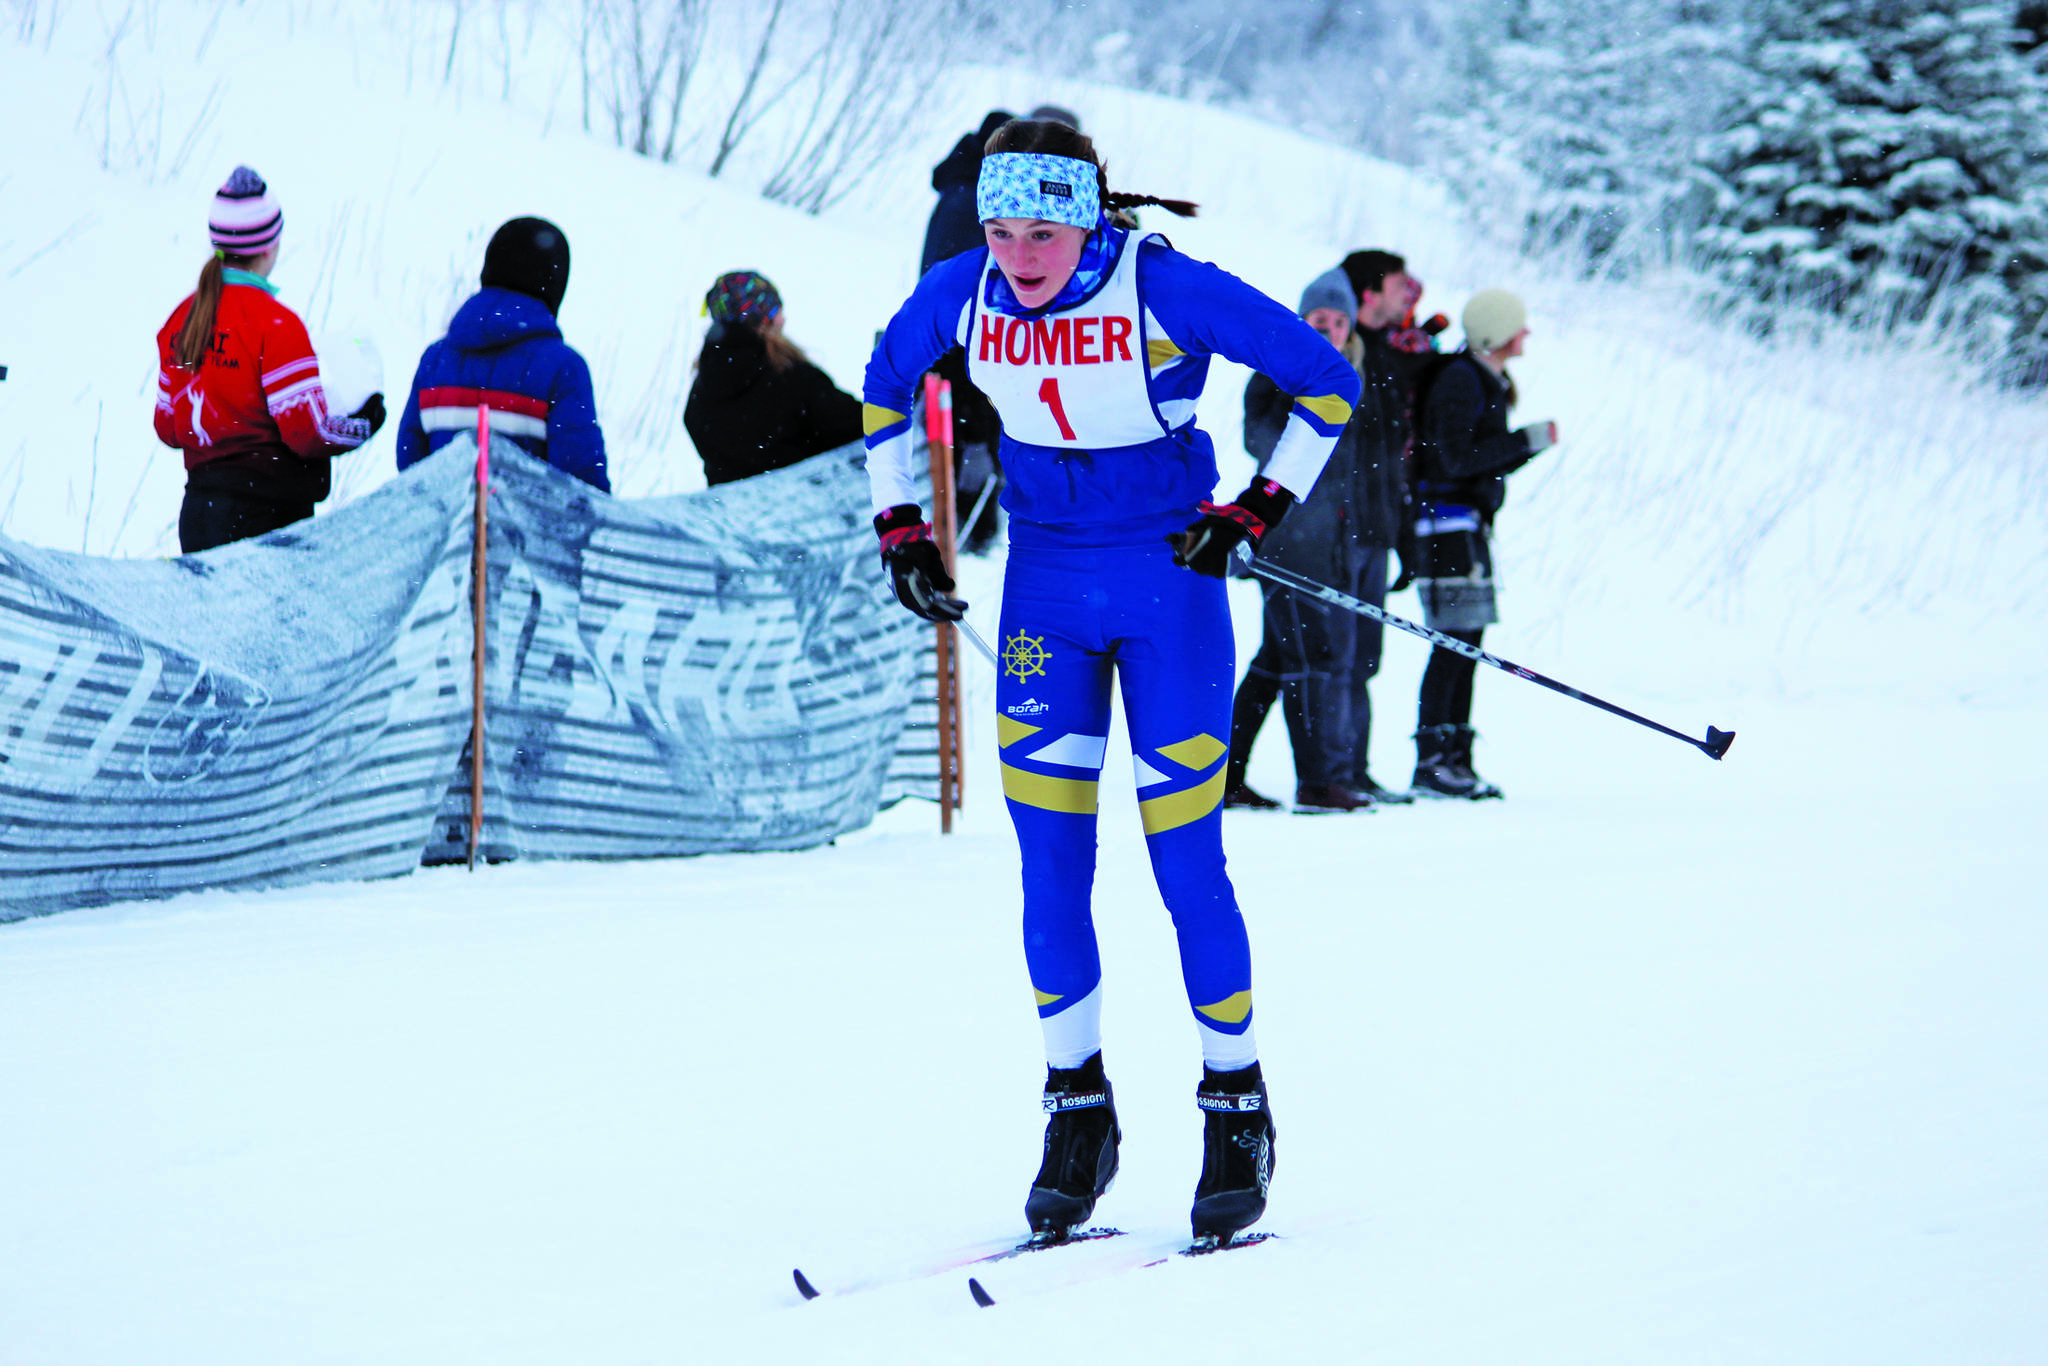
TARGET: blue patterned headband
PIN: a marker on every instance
(1037, 185)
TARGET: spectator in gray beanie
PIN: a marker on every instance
(1329, 290)
(1306, 654)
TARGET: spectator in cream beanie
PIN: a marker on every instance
(1464, 452)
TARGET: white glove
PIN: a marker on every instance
(1541, 436)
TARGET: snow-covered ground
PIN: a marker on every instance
(1656, 1061)
(1659, 1060)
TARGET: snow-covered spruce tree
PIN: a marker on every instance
(1577, 123)
(1354, 70)
(1893, 166)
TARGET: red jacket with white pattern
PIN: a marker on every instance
(253, 418)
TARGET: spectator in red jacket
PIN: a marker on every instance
(238, 386)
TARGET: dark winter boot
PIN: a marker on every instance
(1237, 1153)
(1327, 800)
(1436, 768)
(1242, 797)
(1461, 760)
(1081, 1138)
(1382, 796)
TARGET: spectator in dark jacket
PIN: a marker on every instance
(758, 404)
(955, 226)
(1308, 648)
(504, 352)
(1463, 455)
(1386, 295)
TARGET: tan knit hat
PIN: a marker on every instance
(1492, 319)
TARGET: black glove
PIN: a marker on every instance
(915, 567)
(1407, 552)
(1206, 544)
(371, 412)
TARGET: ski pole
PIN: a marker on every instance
(979, 644)
(1714, 746)
(981, 501)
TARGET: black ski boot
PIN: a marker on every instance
(1081, 1138)
(1461, 759)
(1437, 773)
(1237, 1153)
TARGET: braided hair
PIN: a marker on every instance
(1057, 139)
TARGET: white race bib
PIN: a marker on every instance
(1075, 379)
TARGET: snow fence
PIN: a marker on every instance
(713, 672)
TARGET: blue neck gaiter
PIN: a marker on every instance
(1099, 255)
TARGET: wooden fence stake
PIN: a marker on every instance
(938, 420)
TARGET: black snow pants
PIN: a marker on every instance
(216, 517)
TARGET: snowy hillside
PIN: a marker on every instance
(1659, 1060)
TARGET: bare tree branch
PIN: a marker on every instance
(735, 130)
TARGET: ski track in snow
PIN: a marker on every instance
(1658, 1060)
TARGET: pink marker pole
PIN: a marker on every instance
(476, 574)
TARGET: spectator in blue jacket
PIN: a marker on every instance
(504, 352)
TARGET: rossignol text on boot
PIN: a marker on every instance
(1081, 1137)
(1237, 1152)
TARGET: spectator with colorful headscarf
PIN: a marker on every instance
(758, 403)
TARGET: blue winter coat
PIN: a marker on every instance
(505, 351)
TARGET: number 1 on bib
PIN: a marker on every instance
(1049, 395)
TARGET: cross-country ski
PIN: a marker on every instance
(1205, 1246)
(953, 1261)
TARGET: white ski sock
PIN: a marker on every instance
(1075, 1034)
(1227, 1052)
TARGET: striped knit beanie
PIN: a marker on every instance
(245, 220)
(742, 296)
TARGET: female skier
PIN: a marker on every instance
(238, 386)
(1093, 343)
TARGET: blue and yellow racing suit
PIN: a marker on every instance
(1103, 460)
